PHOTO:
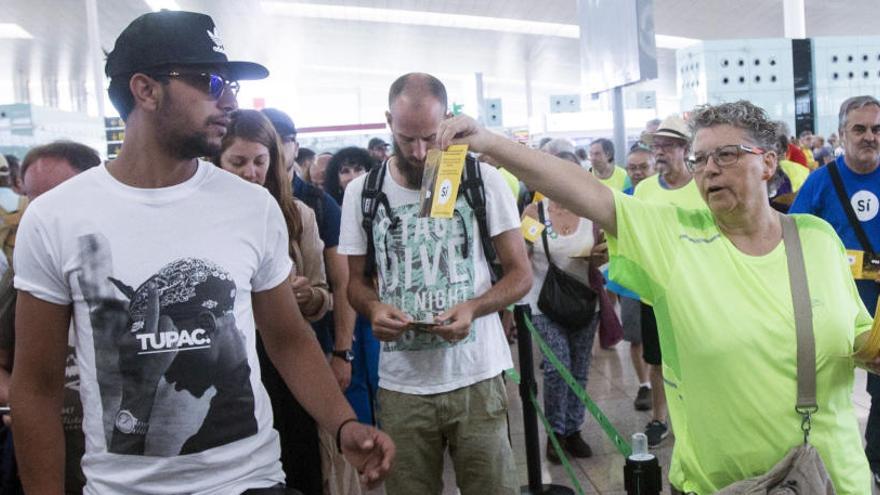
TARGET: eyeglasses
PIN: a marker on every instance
(666, 147)
(723, 156)
(213, 84)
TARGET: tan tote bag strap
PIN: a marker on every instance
(803, 316)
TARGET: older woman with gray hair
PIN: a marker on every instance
(719, 283)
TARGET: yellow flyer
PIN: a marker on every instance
(448, 180)
(531, 228)
(863, 266)
(856, 258)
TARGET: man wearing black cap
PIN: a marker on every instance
(378, 149)
(287, 132)
(156, 419)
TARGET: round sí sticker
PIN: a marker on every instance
(445, 192)
(865, 204)
(533, 231)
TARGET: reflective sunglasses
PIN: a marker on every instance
(213, 84)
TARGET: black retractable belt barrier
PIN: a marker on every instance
(528, 387)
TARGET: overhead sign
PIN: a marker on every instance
(617, 43)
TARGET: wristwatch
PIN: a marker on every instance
(127, 423)
(345, 354)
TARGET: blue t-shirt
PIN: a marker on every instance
(328, 214)
(818, 197)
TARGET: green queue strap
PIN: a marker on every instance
(619, 442)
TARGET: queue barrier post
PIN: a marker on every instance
(641, 473)
(528, 388)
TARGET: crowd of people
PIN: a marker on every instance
(218, 310)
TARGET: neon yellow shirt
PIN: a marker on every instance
(687, 197)
(796, 173)
(618, 180)
(727, 334)
(511, 180)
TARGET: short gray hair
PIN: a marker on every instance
(741, 114)
(851, 104)
(557, 145)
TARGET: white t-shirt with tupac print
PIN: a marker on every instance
(422, 270)
(160, 281)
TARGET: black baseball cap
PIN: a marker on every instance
(376, 143)
(282, 122)
(171, 37)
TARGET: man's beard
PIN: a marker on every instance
(194, 145)
(184, 144)
(412, 171)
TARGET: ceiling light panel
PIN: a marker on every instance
(442, 19)
(419, 18)
(158, 5)
(9, 30)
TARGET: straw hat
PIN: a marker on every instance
(672, 127)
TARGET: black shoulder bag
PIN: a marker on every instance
(564, 299)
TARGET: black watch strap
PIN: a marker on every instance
(344, 354)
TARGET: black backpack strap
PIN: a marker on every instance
(372, 198)
(475, 194)
(847, 207)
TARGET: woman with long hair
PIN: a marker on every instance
(251, 150)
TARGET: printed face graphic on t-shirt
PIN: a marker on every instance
(422, 268)
(171, 364)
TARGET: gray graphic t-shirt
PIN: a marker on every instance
(425, 267)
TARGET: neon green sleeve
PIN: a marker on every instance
(643, 253)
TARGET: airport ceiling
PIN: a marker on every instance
(267, 31)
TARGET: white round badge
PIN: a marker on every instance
(445, 192)
(865, 204)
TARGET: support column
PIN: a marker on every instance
(95, 54)
(481, 99)
(619, 123)
(794, 18)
